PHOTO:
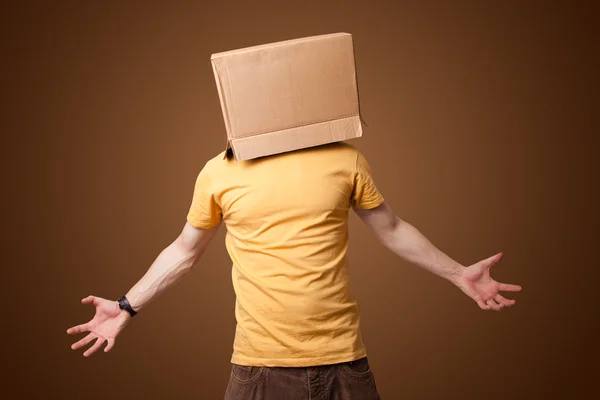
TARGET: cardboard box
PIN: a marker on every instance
(288, 95)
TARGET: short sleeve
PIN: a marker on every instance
(204, 211)
(365, 194)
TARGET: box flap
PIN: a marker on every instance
(296, 138)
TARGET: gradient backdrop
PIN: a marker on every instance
(481, 117)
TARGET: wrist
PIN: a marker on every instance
(123, 314)
(455, 273)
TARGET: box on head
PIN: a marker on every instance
(288, 95)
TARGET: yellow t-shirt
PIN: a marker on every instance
(287, 234)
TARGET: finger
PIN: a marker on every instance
(495, 306)
(87, 300)
(509, 288)
(501, 299)
(83, 341)
(488, 262)
(111, 343)
(482, 305)
(95, 347)
(78, 329)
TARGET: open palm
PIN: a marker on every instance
(105, 326)
(475, 281)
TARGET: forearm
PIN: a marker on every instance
(168, 268)
(410, 244)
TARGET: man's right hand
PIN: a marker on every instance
(108, 322)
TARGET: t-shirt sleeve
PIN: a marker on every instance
(204, 211)
(365, 194)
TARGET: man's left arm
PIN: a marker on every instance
(409, 243)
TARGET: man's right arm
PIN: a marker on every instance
(168, 268)
(171, 264)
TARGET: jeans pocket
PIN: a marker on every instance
(356, 380)
(246, 382)
(358, 369)
(247, 374)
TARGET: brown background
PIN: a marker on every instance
(481, 119)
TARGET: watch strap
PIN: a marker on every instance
(124, 305)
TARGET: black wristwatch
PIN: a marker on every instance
(124, 305)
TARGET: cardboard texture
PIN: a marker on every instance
(288, 95)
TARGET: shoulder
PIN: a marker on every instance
(353, 155)
(343, 150)
(217, 160)
(215, 164)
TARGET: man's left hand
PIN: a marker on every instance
(475, 281)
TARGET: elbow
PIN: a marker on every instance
(192, 241)
(395, 223)
(188, 249)
(392, 225)
(389, 234)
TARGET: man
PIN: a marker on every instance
(286, 215)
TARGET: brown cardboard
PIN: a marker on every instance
(288, 95)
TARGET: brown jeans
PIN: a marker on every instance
(346, 381)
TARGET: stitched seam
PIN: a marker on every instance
(308, 383)
(217, 202)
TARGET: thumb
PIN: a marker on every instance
(488, 262)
